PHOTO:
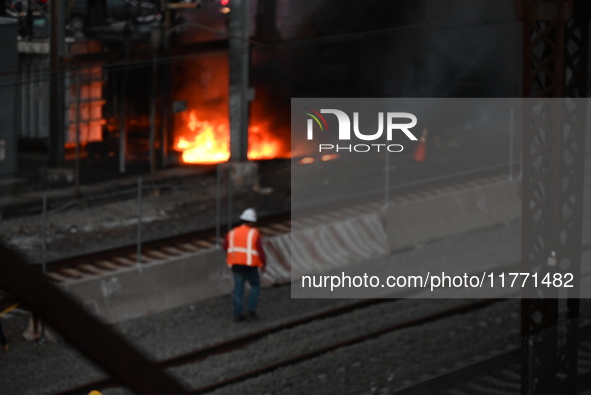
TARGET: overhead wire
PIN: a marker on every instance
(47, 74)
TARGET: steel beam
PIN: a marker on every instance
(239, 62)
(57, 110)
(93, 338)
(556, 42)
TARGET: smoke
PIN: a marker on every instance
(404, 48)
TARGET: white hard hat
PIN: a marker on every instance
(249, 215)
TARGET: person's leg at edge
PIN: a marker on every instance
(238, 293)
(255, 287)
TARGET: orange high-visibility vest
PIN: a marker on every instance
(242, 247)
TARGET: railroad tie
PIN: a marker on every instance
(321, 218)
(281, 228)
(438, 191)
(70, 272)
(89, 269)
(143, 258)
(375, 205)
(57, 277)
(172, 251)
(413, 196)
(335, 216)
(187, 247)
(107, 265)
(447, 189)
(203, 243)
(353, 211)
(157, 254)
(267, 231)
(122, 261)
(309, 222)
(296, 225)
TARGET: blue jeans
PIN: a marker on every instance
(242, 274)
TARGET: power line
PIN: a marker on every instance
(258, 45)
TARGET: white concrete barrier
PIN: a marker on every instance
(442, 215)
(326, 246)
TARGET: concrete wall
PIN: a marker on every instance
(157, 286)
(451, 213)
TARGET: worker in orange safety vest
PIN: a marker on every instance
(245, 255)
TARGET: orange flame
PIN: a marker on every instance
(209, 143)
(307, 160)
(261, 145)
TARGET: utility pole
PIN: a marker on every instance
(239, 100)
(165, 68)
(126, 48)
(154, 92)
(57, 111)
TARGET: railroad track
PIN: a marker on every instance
(242, 341)
(479, 367)
(483, 376)
(111, 260)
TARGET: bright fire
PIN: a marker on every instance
(209, 143)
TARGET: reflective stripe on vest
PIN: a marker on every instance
(249, 250)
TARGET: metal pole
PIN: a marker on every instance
(44, 242)
(217, 205)
(511, 131)
(166, 125)
(139, 223)
(57, 89)
(521, 155)
(123, 113)
(77, 160)
(238, 63)
(164, 112)
(387, 181)
(229, 197)
(153, 117)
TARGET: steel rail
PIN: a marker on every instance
(476, 370)
(231, 344)
(243, 341)
(210, 233)
(346, 343)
